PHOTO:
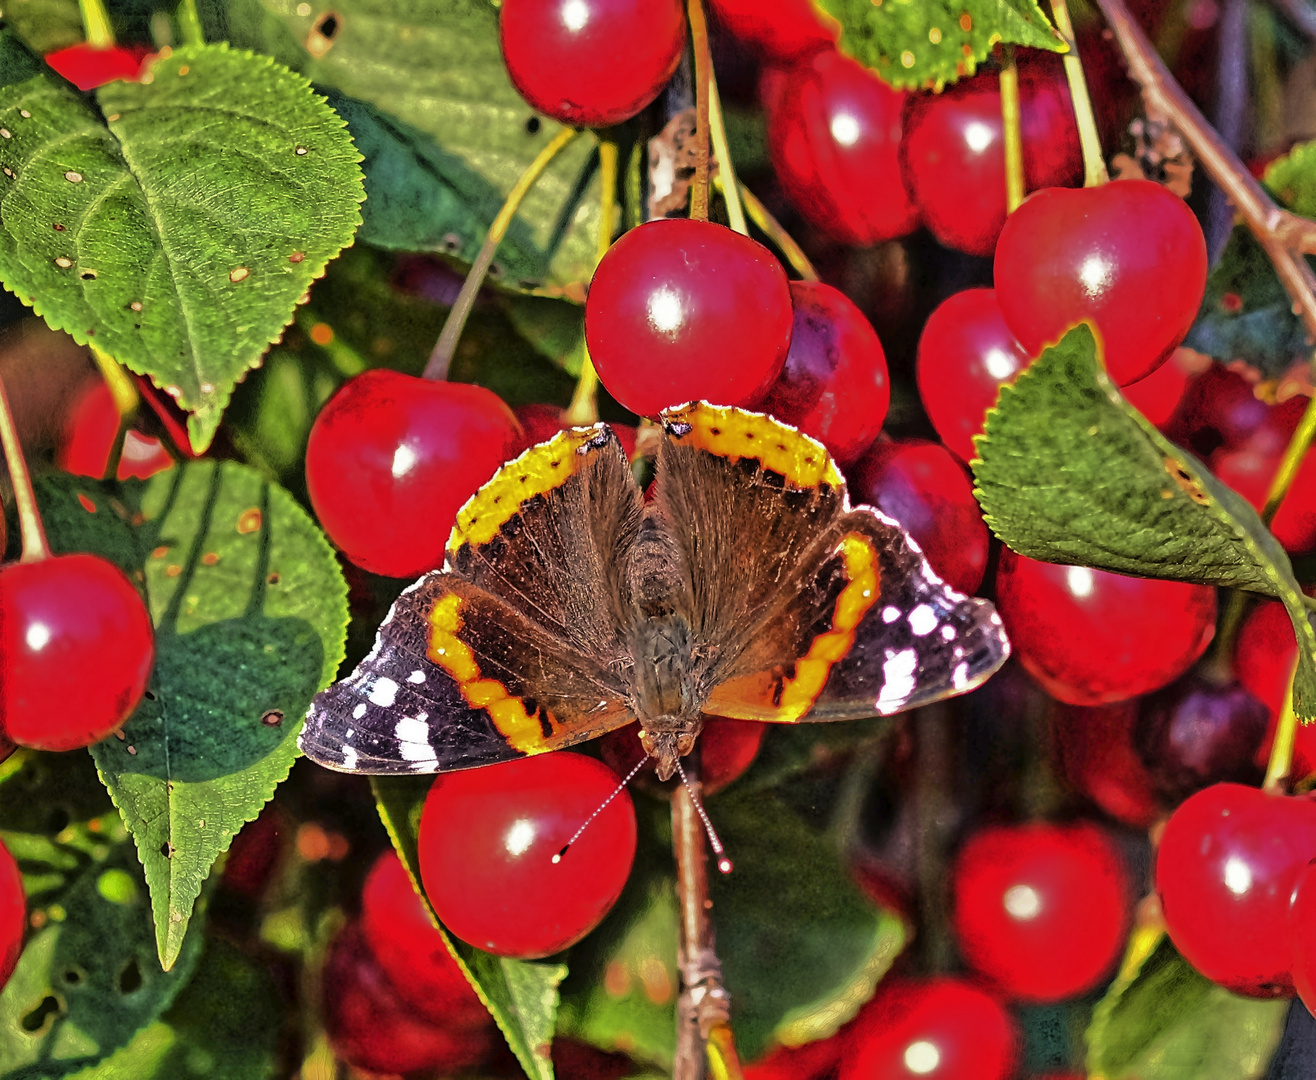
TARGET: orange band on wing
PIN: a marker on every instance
(522, 730)
(734, 433)
(756, 697)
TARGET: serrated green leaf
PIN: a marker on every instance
(1068, 472)
(928, 43)
(1166, 1022)
(179, 232)
(801, 947)
(250, 611)
(444, 132)
(88, 978)
(522, 996)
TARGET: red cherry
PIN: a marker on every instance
(87, 67)
(591, 63)
(1158, 396)
(834, 134)
(812, 1061)
(727, 747)
(1221, 409)
(680, 310)
(953, 153)
(1128, 255)
(371, 1027)
(931, 1029)
(392, 458)
(1042, 910)
(13, 914)
(1265, 652)
(1092, 637)
(487, 841)
(411, 950)
(89, 433)
(1250, 470)
(834, 383)
(965, 354)
(921, 485)
(781, 31)
(1228, 862)
(255, 853)
(1302, 940)
(541, 422)
(1096, 754)
(76, 647)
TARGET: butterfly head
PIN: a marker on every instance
(665, 747)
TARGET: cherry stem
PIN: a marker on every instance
(1281, 750)
(1284, 236)
(126, 400)
(584, 407)
(30, 529)
(96, 24)
(723, 1061)
(1094, 165)
(441, 357)
(1012, 133)
(189, 23)
(703, 92)
(772, 229)
(726, 174)
(1289, 463)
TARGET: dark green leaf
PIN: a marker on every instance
(1292, 179)
(801, 948)
(522, 996)
(250, 611)
(933, 42)
(88, 978)
(444, 132)
(1069, 472)
(555, 328)
(1163, 1021)
(179, 232)
(46, 25)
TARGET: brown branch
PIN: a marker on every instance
(1285, 237)
(703, 79)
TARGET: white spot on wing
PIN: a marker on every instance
(383, 693)
(948, 632)
(413, 735)
(359, 711)
(416, 676)
(890, 614)
(349, 757)
(897, 679)
(923, 620)
(960, 677)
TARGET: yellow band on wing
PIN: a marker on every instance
(734, 433)
(536, 472)
(522, 730)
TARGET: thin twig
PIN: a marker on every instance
(1281, 750)
(722, 152)
(1229, 111)
(25, 500)
(1011, 133)
(1094, 165)
(441, 357)
(703, 78)
(584, 407)
(96, 24)
(772, 228)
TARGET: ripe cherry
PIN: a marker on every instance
(1228, 862)
(13, 914)
(591, 63)
(1091, 637)
(953, 153)
(965, 354)
(392, 458)
(540, 422)
(76, 646)
(727, 748)
(834, 134)
(1096, 755)
(834, 383)
(89, 434)
(940, 1028)
(371, 1027)
(811, 1061)
(1041, 910)
(255, 853)
(1159, 395)
(1199, 732)
(411, 950)
(1104, 254)
(87, 67)
(1265, 652)
(782, 31)
(488, 838)
(1220, 409)
(921, 485)
(1302, 940)
(682, 309)
(1250, 469)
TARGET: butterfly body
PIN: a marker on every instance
(568, 607)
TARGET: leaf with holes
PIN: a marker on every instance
(88, 978)
(1069, 472)
(521, 995)
(179, 231)
(250, 610)
(444, 133)
(933, 42)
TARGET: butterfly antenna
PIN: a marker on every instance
(723, 863)
(602, 806)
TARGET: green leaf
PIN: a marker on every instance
(186, 223)
(88, 978)
(801, 947)
(1292, 179)
(1069, 472)
(444, 132)
(928, 43)
(46, 25)
(250, 611)
(522, 996)
(1164, 1021)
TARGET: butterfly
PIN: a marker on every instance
(567, 606)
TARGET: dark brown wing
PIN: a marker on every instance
(458, 678)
